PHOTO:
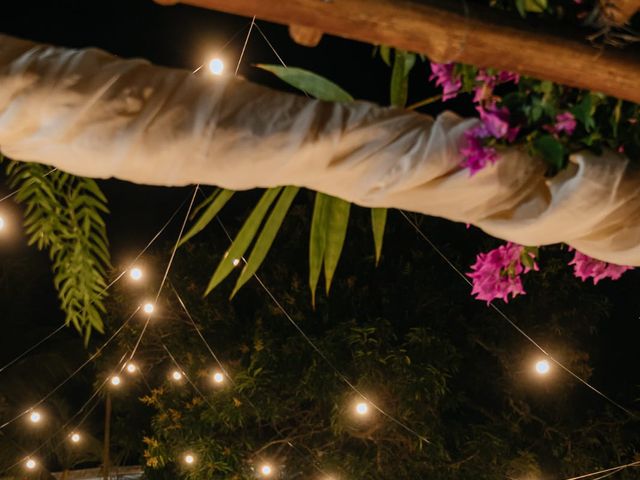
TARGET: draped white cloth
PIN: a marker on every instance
(93, 114)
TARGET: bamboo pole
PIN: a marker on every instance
(457, 30)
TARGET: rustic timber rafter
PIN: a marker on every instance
(457, 30)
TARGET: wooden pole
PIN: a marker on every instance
(457, 30)
(620, 11)
(107, 438)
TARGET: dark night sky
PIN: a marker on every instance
(183, 37)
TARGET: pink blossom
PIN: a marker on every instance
(484, 91)
(496, 121)
(497, 273)
(445, 78)
(565, 122)
(585, 267)
(476, 155)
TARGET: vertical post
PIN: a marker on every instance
(107, 437)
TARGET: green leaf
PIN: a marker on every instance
(584, 112)
(337, 217)
(216, 200)
(244, 238)
(378, 223)
(535, 6)
(317, 241)
(309, 82)
(267, 236)
(551, 150)
(385, 54)
(402, 65)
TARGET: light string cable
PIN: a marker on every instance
(74, 373)
(32, 453)
(102, 292)
(326, 359)
(512, 323)
(606, 472)
(282, 438)
(17, 190)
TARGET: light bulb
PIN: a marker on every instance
(543, 367)
(31, 463)
(115, 380)
(176, 375)
(362, 408)
(131, 367)
(75, 437)
(1, 223)
(148, 308)
(135, 273)
(189, 459)
(236, 262)
(266, 470)
(216, 66)
(35, 417)
(218, 377)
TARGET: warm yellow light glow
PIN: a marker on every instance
(148, 308)
(75, 437)
(218, 377)
(115, 380)
(35, 417)
(543, 367)
(1, 223)
(216, 66)
(176, 375)
(266, 470)
(31, 464)
(189, 459)
(135, 273)
(131, 367)
(362, 408)
(236, 262)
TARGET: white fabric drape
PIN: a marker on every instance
(93, 114)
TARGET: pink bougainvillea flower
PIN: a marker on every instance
(565, 122)
(444, 76)
(496, 121)
(476, 155)
(483, 92)
(585, 267)
(497, 273)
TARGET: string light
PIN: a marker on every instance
(75, 437)
(543, 367)
(131, 367)
(266, 470)
(216, 66)
(148, 308)
(31, 464)
(189, 459)
(1, 223)
(115, 380)
(135, 273)
(35, 417)
(236, 262)
(176, 375)
(362, 408)
(218, 377)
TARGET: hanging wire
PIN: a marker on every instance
(512, 323)
(607, 472)
(15, 192)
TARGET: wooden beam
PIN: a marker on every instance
(457, 30)
(620, 11)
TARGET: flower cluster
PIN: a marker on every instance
(585, 267)
(497, 273)
(443, 74)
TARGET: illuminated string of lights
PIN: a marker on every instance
(541, 367)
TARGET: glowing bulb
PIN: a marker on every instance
(362, 408)
(543, 367)
(31, 464)
(131, 367)
(75, 437)
(115, 380)
(35, 417)
(176, 375)
(189, 459)
(135, 273)
(266, 470)
(1, 223)
(148, 308)
(218, 377)
(216, 66)
(236, 262)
